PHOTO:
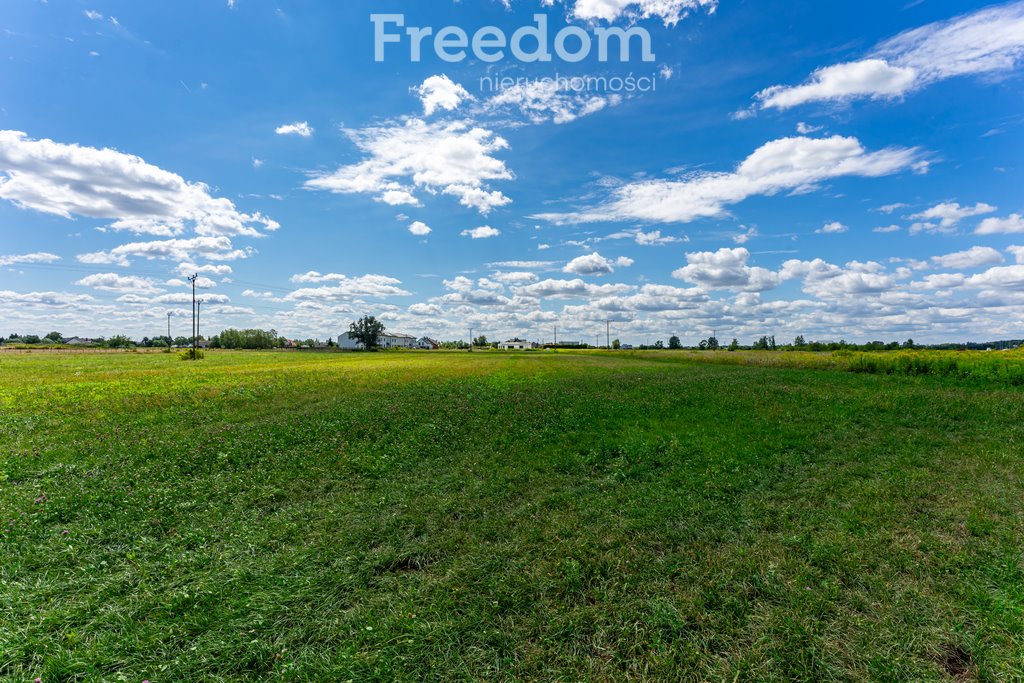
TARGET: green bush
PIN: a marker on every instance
(191, 354)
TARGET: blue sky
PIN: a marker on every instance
(781, 170)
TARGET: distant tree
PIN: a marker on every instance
(703, 345)
(713, 344)
(30, 339)
(119, 342)
(54, 337)
(761, 344)
(616, 345)
(674, 343)
(771, 343)
(181, 341)
(247, 339)
(735, 345)
(480, 341)
(659, 344)
(909, 344)
(800, 342)
(367, 331)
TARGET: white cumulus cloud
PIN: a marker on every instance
(786, 164)
(989, 41)
(71, 180)
(441, 93)
(300, 128)
(449, 157)
(481, 233)
(595, 264)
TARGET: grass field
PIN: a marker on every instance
(498, 517)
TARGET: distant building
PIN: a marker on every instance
(428, 344)
(387, 340)
(516, 344)
(79, 341)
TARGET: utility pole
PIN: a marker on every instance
(170, 341)
(556, 335)
(195, 341)
(608, 333)
(471, 340)
(199, 306)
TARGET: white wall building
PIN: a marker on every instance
(516, 345)
(387, 340)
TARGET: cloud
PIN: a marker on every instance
(989, 41)
(833, 228)
(595, 264)
(300, 128)
(481, 233)
(431, 310)
(829, 281)
(726, 269)
(448, 157)
(112, 282)
(891, 208)
(71, 180)
(1018, 253)
(975, 257)
(550, 100)
(51, 299)
(525, 265)
(940, 281)
(950, 214)
(1003, 277)
(420, 229)
(669, 11)
(208, 248)
(374, 286)
(514, 277)
(441, 92)
(868, 78)
(887, 229)
(571, 289)
(37, 257)
(786, 164)
(188, 269)
(645, 239)
(1012, 224)
(745, 236)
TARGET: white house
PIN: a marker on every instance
(387, 340)
(428, 344)
(516, 344)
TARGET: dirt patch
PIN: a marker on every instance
(957, 662)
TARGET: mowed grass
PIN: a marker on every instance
(498, 517)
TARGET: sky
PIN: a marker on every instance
(739, 167)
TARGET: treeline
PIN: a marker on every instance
(247, 339)
(769, 343)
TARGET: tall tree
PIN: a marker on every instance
(675, 343)
(367, 331)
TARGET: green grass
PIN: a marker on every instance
(537, 516)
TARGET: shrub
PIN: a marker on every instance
(191, 354)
